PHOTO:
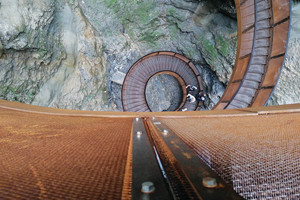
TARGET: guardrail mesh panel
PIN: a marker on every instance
(55, 157)
(258, 155)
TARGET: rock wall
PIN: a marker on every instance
(51, 56)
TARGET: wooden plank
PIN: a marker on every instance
(220, 106)
(262, 15)
(247, 12)
(280, 36)
(272, 72)
(263, 33)
(182, 58)
(242, 68)
(254, 77)
(167, 53)
(228, 95)
(257, 69)
(247, 4)
(262, 5)
(147, 56)
(247, 22)
(262, 51)
(244, 52)
(250, 84)
(247, 44)
(280, 10)
(262, 97)
(248, 36)
(246, 48)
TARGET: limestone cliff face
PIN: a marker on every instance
(51, 56)
(65, 53)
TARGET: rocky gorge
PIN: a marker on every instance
(74, 54)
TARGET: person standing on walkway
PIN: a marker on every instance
(190, 98)
(200, 97)
(190, 88)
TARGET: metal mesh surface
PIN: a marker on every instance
(55, 157)
(259, 155)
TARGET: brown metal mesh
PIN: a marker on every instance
(259, 155)
(55, 157)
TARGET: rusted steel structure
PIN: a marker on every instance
(250, 153)
(164, 62)
(263, 29)
(222, 154)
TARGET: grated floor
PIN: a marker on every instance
(61, 157)
(259, 155)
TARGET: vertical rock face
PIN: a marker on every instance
(51, 56)
(79, 82)
(24, 30)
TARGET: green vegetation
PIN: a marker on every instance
(109, 3)
(113, 4)
(172, 13)
(18, 93)
(222, 45)
(209, 49)
(139, 12)
(131, 11)
(190, 52)
(173, 32)
(104, 47)
(150, 37)
(143, 12)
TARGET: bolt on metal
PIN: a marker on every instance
(137, 119)
(165, 132)
(148, 187)
(209, 182)
(139, 133)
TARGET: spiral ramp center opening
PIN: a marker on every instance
(163, 93)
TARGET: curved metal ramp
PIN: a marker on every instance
(62, 154)
(133, 91)
(263, 27)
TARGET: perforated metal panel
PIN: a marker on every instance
(258, 155)
(61, 157)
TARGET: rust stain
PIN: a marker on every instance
(39, 182)
(175, 144)
(187, 155)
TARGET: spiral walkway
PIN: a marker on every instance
(263, 27)
(134, 87)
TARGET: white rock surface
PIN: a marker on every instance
(118, 77)
(287, 90)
